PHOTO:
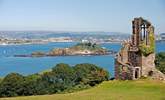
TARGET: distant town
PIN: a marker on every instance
(43, 37)
(40, 37)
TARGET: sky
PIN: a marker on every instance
(80, 15)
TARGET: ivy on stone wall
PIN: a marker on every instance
(145, 49)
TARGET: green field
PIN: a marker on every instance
(110, 90)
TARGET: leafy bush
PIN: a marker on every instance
(1, 80)
(30, 84)
(12, 85)
(88, 46)
(146, 50)
(160, 61)
(90, 74)
(62, 78)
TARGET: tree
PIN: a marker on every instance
(160, 61)
(1, 80)
(31, 84)
(90, 74)
(12, 85)
(89, 44)
(61, 77)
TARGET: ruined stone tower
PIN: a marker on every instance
(136, 57)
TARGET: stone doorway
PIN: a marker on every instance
(137, 73)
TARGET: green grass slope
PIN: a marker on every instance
(111, 90)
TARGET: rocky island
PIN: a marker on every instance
(78, 49)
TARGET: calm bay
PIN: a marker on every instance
(29, 65)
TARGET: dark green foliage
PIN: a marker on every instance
(160, 61)
(1, 80)
(65, 76)
(30, 85)
(90, 74)
(62, 78)
(12, 85)
(88, 46)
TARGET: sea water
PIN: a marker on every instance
(31, 65)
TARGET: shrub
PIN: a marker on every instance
(12, 85)
(62, 78)
(160, 61)
(90, 74)
(145, 49)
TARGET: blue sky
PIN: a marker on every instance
(80, 15)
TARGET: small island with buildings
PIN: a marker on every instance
(83, 49)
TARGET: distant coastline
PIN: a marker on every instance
(4, 42)
(42, 37)
(33, 41)
(46, 41)
(45, 37)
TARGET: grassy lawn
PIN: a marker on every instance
(110, 90)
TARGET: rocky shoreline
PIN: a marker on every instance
(78, 54)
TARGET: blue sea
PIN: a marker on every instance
(28, 65)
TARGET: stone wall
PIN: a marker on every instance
(148, 64)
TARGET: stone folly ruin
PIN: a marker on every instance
(137, 55)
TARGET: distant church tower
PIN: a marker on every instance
(136, 57)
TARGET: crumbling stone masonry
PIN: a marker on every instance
(136, 57)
